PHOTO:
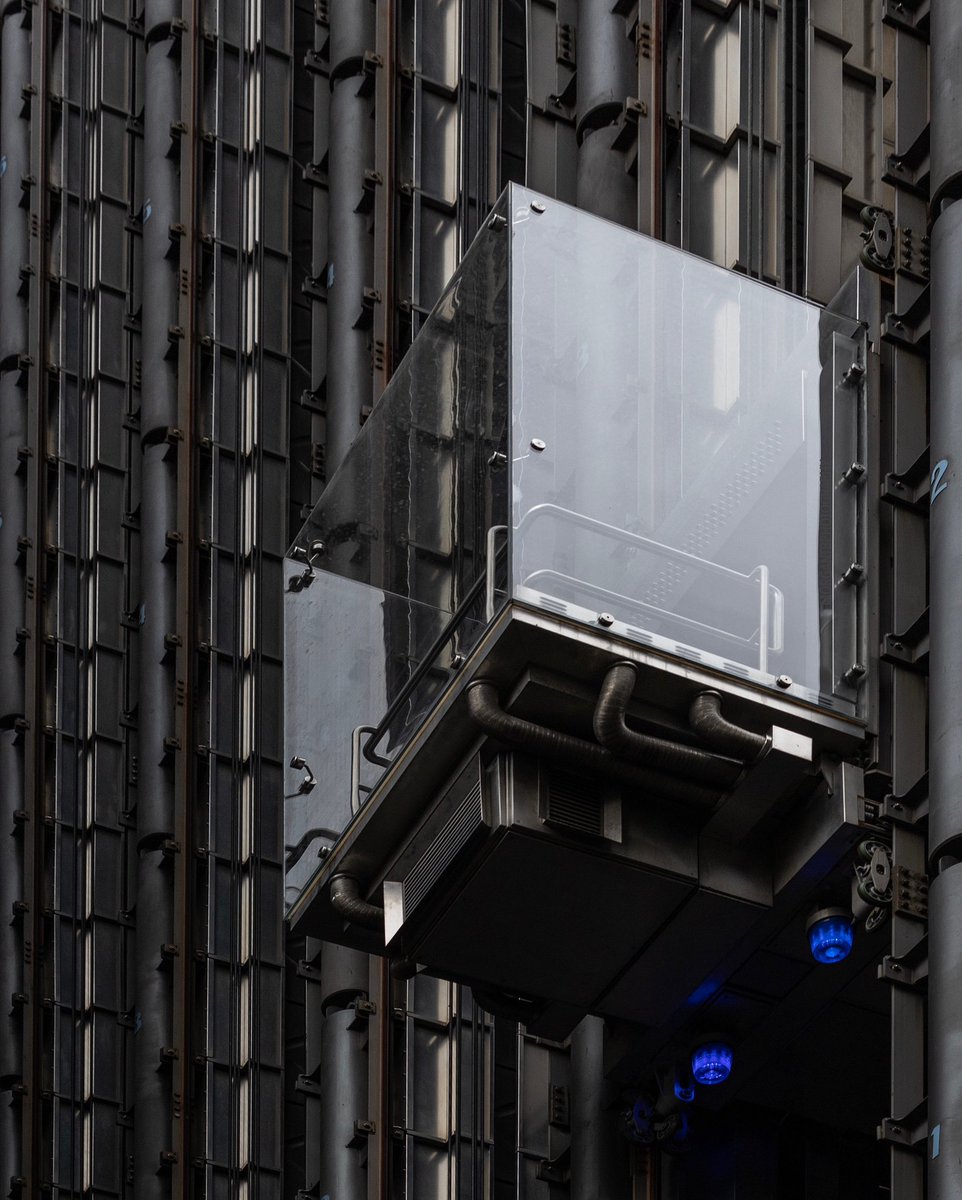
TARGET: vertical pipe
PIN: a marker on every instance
(945, 716)
(344, 973)
(158, 509)
(343, 1074)
(350, 240)
(606, 78)
(11, 947)
(15, 52)
(945, 612)
(594, 1159)
(14, 253)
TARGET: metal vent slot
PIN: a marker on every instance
(736, 669)
(637, 635)
(452, 838)
(574, 803)
(553, 605)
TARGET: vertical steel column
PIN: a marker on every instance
(351, 247)
(343, 1075)
(606, 78)
(154, 1042)
(945, 715)
(34, 572)
(945, 601)
(593, 1158)
(14, 254)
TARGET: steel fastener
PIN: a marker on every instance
(784, 681)
(605, 619)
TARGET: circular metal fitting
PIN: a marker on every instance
(537, 206)
(538, 444)
(605, 619)
(784, 681)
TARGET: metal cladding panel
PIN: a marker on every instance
(603, 908)
(669, 969)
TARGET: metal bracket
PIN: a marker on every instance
(555, 1170)
(911, 1131)
(911, 488)
(912, 16)
(911, 648)
(911, 808)
(909, 971)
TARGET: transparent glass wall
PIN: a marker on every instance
(668, 445)
(670, 424)
(385, 582)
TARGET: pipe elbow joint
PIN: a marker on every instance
(347, 902)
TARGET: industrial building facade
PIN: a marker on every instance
(223, 223)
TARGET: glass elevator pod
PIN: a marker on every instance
(577, 635)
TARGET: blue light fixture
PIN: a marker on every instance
(830, 934)
(685, 1091)
(711, 1062)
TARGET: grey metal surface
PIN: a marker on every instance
(457, 101)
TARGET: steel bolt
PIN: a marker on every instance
(538, 444)
(605, 619)
(784, 681)
(537, 206)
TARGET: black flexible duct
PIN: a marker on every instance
(661, 755)
(706, 719)
(487, 712)
(346, 900)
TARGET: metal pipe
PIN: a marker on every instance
(153, 991)
(487, 712)
(152, 1025)
(945, 1035)
(945, 613)
(595, 1153)
(158, 396)
(346, 901)
(15, 167)
(343, 1104)
(11, 892)
(344, 975)
(706, 720)
(945, 140)
(15, 66)
(350, 238)
(606, 78)
(658, 753)
(14, 254)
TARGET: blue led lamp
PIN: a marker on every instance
(830, 934)
(711, 1062)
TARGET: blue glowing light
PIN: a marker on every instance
(685, 1092)
(711, 1063)
(831, 939)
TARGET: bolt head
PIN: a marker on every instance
(606, 619)
(784, 681)
(538, 444)
(537, 206)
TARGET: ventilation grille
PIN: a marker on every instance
(451, 839)
(574, 803)
(553, 605)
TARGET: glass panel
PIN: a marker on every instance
(356, 658)
(669, 421)
(409, 509)
(385, 582)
